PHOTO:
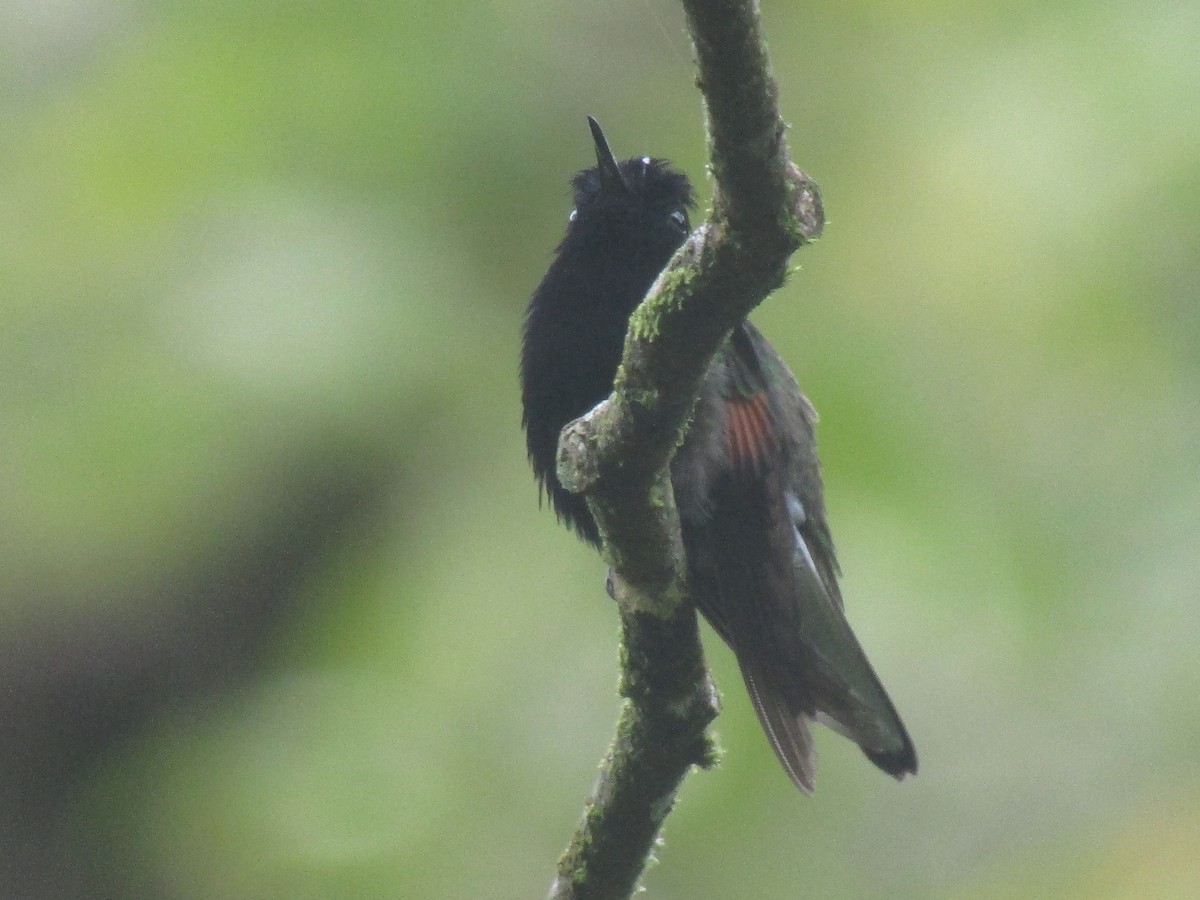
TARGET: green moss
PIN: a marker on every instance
(682, 434)
(791, 222)
(644, 324)
(644, 399)
(658, 495)
(712, 754)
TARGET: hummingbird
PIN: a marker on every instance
(747, 481)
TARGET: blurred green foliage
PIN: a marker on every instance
(237, 236)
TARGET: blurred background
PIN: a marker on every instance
(279, 614)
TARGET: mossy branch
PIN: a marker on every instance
(618, 454)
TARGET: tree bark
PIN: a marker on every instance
(618, 455)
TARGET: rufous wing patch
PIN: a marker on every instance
(748, 431)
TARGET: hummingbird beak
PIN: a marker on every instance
(611, 178)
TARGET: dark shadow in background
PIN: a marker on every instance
(74, 690)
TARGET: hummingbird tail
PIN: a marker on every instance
(897, 764)
(786, 726)
(787, 731)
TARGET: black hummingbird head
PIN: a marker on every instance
(639, 200)
(629, 218)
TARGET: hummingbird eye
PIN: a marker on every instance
(679, 217)
(573, 216)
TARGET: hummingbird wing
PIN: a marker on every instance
(763, 567)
